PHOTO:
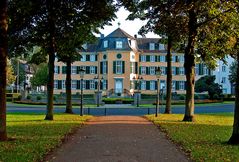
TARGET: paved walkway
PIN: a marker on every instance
(118, 139)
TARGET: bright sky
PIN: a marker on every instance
(131, 27)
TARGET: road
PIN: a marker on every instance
(122, 109)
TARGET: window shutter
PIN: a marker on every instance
(155, 85)
(106, 67)
(177, 85)
(177, 70)
(58, 69)
(87, 57)
(101, 85)
(106, 84)
(78, 84)
(87, 84)
(185, 85)
(147, 85)
(59, 84)
(96, 72)
(139, 58)
(155, 58)
(123, 68)
(95, 85)
(63, 69)
(159, 58)
(114, 67)
(147, 70)
(101, 67)
(136, 68)
(77, 69)
(96, 57)
(140, 68)
(148, 58)
(87, 71)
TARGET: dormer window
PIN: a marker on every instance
(105, 44)
(161, 47)
(119, 44)
(151, 46)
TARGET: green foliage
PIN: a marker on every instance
(182, 97)
(10, 73)
(115, 100)
(39, 98)
(233, 72)
(41, 75)
(31, 131)
(207, 84)
(204, 139)
(29, 97)
(196, 97)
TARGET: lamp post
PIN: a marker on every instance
(158, 74)
(82, 72)
(98, 80)
(137, 81)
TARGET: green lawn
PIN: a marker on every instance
(204, 139)
(34, 137)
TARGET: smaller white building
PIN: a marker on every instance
(222, 75)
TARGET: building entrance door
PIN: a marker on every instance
(119, 86)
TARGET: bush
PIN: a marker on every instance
(215, 96)
(206, 96)
(54, 98)
(77, 93)
(19, 97)
(196, 97)
(39, 98)
(182, 97)
(29, 97)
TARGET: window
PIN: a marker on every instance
(162, 58)
(143, 58)
(162, 85)
(223, 80)
(119, 56)
(63, 84)
(92, 58)
(143, 70)
(74, 84)
(92, 84)
(104, 84)
(84, 84)
(55, 84)
(163, 71)
(223, 68)
(92, 70)
(83, 58)
(104, 67)
(119, 67)
(143, 85)
(173, 85)
(152, 58)
(181, 70)
(132, 69)
(161, 47)
(152, 70)
(181, 85)
(104, 57)
(174, 59)
(152, 85)
(105, 44)
(151, 46)
(119, 44)
(173, 70)
(57, 69)
(74, 70)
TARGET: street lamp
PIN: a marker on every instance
(82, 72)
(158, 74)
(137, 81)
(98, 80)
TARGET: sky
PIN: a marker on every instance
(131, 27)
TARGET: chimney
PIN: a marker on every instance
(102, 36)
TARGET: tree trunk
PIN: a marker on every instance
(68, 88)
(189, 66)
(51, 51)
(3, 68)
(169, 77)
(235, 133)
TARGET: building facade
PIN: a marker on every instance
(118, 60)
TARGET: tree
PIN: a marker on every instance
(40, 76)
(10, 74)
(3, 68)
(44, 25)
(164, 19)
(233, 72)
(207, 84)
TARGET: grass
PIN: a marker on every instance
(204, 139)
(35, 137)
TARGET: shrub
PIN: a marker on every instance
(19, 97)
(54, 98)
(206, 96)
(181, 97)
(215, 96)
(196, 97)
(77, 93)
(29, 97)
(39, 98)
